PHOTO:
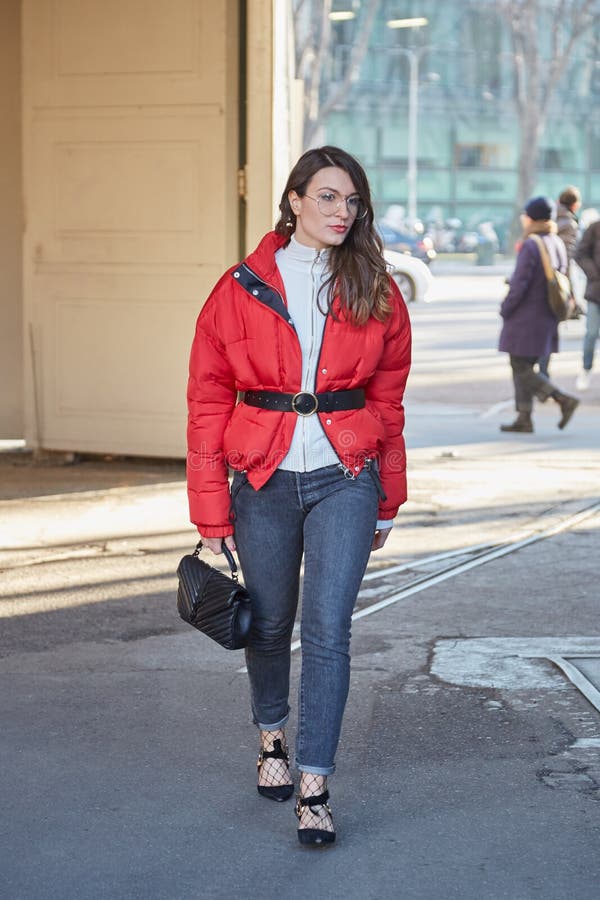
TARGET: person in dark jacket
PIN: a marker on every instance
(530, 329)
(567, 223)
(588, 258)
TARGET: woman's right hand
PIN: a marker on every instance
(214, 543)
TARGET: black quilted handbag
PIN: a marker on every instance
(212, 602)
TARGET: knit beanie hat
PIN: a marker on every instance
(540, 208)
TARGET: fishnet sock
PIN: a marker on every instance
(319, 817)
(273, 772)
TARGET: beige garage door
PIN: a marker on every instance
(131, 153)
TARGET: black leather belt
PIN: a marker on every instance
(304, 403)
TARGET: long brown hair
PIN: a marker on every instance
(358, 271)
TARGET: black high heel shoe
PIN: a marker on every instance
(278, 792)
(315, 837)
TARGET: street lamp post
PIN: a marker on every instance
(413, 124)
(414, 58)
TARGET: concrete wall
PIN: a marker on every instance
(119, 206)
(130, 170)
(11, 224)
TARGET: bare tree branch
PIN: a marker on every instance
(537, 79)
(313, 95)
(314, 50)
(358, 54)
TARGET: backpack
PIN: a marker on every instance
(560, 295)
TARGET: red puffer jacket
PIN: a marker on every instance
(245, 341)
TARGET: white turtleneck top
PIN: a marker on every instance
(303, 271)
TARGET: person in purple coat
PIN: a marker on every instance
(530, 329)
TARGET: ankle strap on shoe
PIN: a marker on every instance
(278, 752)
(317, 800)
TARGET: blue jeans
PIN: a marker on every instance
(330, 519)
(592, 330)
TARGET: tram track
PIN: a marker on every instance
(92, 574)
(455, 562)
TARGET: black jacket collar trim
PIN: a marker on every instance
(261, 291)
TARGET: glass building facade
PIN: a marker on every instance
(468, 146)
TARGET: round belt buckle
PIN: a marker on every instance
(304, 403)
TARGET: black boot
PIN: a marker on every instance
(522, 423)
(567, 404)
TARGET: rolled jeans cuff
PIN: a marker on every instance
(315, 770)
(276, 727)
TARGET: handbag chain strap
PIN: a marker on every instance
(228, 556)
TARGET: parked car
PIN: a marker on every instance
(410, 274)
(418, 245)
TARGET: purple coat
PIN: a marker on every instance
(530, 328)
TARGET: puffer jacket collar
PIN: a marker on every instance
(261, 263)
(262, 260)
(259, 276)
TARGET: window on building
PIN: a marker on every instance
(595, 151)
(550, 158)
(340, 61)
(480, 156)
(343, 36)
(468, 156)
(479, 61)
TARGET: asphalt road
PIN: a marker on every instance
(468, 767)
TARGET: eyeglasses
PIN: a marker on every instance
(329, 204)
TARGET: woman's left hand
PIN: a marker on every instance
(214, 544)
(381, 536)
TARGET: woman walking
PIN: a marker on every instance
(530, 329)
(297, 374)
